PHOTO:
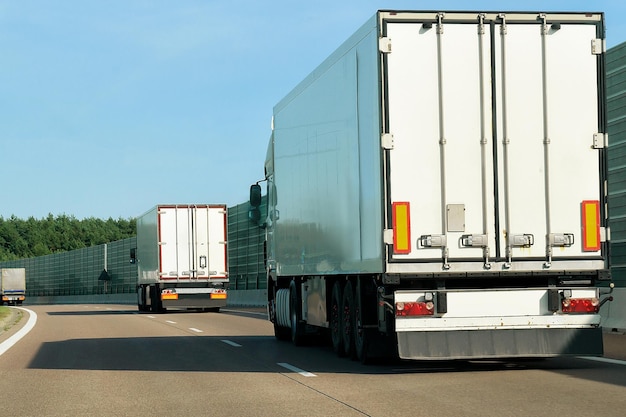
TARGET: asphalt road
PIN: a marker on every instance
(108, 360)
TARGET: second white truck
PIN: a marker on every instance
(181, 257)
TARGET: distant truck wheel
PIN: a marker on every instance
(336, 328)
(347, 321)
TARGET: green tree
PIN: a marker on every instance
(37, 237)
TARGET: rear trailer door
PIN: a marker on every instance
(497, 130)
(192, 243)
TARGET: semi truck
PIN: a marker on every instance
(436, 189)
(181, 257)
(12, 286)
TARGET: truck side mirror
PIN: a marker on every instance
(255, 195)
(254, 214)
(133, 255)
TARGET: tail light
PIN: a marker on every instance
(417, 308)
(580, 305)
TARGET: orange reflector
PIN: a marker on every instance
(401, 217)
(169, 296)
(591, 225)
(218, 296)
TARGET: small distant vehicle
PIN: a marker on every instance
(13, 285)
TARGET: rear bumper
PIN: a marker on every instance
(500, 343)
(194, 301)
(11, 297)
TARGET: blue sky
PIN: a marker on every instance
(108, 108)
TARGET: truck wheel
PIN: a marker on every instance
(361, 336)
(336, 329)
(141, 298)
(280, 332)
(347, 314)
(155, 298)
(279, 313)
(297, 328)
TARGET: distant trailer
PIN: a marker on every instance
(181, 257)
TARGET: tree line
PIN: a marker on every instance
(37, 237)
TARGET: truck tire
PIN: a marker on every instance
(141, 298)
(361, 336)
(348, 322)
(297, 327)
(280, 332)
(155, 298)
(336, 329)
(280, 311)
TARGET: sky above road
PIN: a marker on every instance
(108, 108)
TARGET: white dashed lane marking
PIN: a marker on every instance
(294, 369)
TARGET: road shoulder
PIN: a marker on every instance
(12, 323)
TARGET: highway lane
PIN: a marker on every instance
(109, 360)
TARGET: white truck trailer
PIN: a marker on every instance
(181, 257)
(12, 286)
(438, 186)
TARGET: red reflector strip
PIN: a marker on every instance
(580, 305)
(404, 309)
(401, 218)
(591, 225)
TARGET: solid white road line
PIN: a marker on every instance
(605, 360)
(228, 342)
(294, 369)
(32, 320)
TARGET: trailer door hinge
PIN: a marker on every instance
(388, 236)
(598, 46)
(600, 140)
(384, 45)
(605, 234)
(386, 141)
